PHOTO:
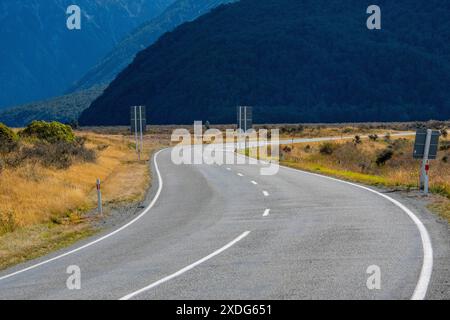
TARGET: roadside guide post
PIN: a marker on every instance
(427, 177)
(99, 197)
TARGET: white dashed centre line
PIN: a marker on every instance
(266, 212)
(240, 174)
(185, 269)
(265, 193)
(255, 183)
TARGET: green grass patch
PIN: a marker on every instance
(343, 174)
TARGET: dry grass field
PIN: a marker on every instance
(383, 161)
(365, 159)
(44, 208)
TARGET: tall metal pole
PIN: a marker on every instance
(245, 119)
(240, 118)
(238, 142)
(136, 133)
(424, 176)
(135, 128)
(245, 130)
(140, 121)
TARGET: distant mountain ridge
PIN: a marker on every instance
(65, 109)
(294, 61)
(40, 57)
(142, 37)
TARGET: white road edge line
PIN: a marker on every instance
(255, 183)
(186, 269)
(266, 212)
(105, 236)
(265, 193)
(421, 289)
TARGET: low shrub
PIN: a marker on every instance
(287, 149)
(327, 148)
(51, 132)
(8, 139)
(357, 140)
(60, 155)
(384, 156)
(445, 145)
(7, 222)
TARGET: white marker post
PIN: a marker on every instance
(99, 197)
(425, 162)
(427, 177)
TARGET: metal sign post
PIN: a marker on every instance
(138, 127)
(425, 148)
(245, 118)
(138, 150)
(426, 155)
(245, 121)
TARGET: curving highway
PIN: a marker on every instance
(227, 232)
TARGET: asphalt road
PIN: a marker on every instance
(227, 232)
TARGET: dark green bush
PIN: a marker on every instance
(60, 155)
(51, 132)
(357, 140)
(327, 148)
(287, 149)
(384, 156)
(445, 145)
(8, 139)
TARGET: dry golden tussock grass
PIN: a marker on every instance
(35, 194)
(357, 162)
(42, 208)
